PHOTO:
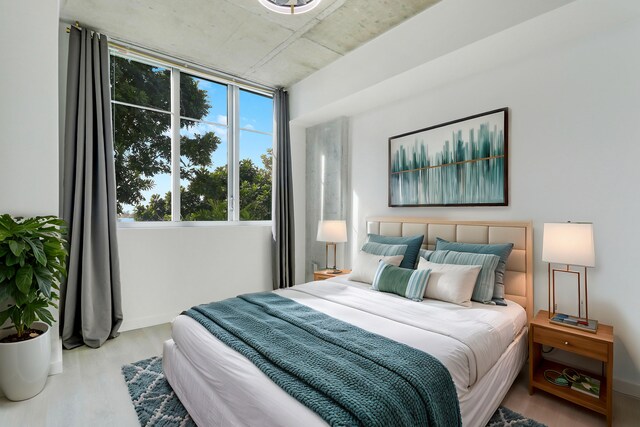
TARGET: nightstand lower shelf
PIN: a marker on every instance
(598, 404)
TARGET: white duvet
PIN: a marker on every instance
(468, 341)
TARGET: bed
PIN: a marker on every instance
(483, 346)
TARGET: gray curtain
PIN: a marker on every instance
(283, 225)
(90, 300)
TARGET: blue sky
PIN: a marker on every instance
(256, 113)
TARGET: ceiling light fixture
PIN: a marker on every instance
(290, 7)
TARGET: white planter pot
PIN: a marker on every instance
(24, 366)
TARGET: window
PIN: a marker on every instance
(181, 132)
(204, 153)
(256, 149)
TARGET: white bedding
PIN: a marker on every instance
(468, 341)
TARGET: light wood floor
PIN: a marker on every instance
(91, 392)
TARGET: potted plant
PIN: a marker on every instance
(32, 264)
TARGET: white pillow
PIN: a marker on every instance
(449, 282)
(366, 265)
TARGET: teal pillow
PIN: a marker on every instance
(483, 290)
(413, 243)
(503, 250)
(405, 282)
(383, 249)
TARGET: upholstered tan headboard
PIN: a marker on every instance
(518, 278)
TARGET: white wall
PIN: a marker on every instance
(29, 115)
(442, 28)
(167, 270)
(29, 107)
(298, 165)
(573, 151)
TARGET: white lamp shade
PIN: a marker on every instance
(332, 231)
(569, 243)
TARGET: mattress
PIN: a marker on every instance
(470, 342)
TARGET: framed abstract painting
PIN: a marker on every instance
(458, 163)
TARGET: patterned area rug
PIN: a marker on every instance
(153, 398)
(505, 417)
(158, 406)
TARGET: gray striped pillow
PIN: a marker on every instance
(483, 290)
(384, 249)
(503, 250)
(425, 253)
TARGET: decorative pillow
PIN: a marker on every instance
(406, 282)
(483, 290)
(425, 253)
(413, 247)
(383, 249)
(365, 265)
(503, 250)
(449, 282)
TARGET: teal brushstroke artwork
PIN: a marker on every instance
(459, 163)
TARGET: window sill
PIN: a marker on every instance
(191, 224)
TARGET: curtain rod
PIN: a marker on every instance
(132, 48)
(129, 47)
(76, 25)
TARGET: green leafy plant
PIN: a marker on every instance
(32, 265)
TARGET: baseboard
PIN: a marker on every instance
(55, 367)
(625, 387)
(144, 322)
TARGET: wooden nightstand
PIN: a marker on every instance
(598, 346)
(325, 274)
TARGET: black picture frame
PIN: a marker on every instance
(463, 162)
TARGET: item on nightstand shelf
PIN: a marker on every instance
(556, 378)
(571, 374)
(587, 385)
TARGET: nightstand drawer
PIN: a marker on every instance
(571, 342)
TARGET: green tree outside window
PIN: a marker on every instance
(142, 150)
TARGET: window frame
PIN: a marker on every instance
(233, 139)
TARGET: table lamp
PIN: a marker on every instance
(332, 232)
(571, 244)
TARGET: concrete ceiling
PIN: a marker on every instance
(241, 37)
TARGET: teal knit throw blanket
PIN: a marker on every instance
(349, 376)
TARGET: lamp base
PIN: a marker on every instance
(587, 325)
(334, 271)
